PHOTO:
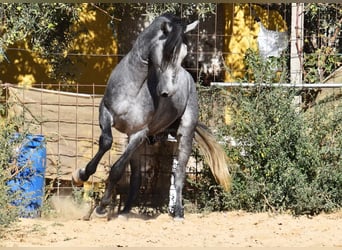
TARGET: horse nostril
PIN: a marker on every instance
(164, 94)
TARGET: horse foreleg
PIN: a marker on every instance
(118, 168)
(105, 143)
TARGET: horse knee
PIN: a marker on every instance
(106, 142)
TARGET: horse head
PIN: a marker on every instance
(169, 52)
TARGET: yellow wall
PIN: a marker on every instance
(241, 33)
(93, 37)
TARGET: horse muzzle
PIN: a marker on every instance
(164, 94)
(166, 91)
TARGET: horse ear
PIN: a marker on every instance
(166, 27)
(191, 26)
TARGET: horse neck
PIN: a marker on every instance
(147, 39)
(139, 55)
(137, 65)
(137, 61)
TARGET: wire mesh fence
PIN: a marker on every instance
(69, 122)
(67, 113)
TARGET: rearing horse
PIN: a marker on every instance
(149, 93)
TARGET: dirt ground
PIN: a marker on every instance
(65, 228)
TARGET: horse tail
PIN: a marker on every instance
(214, 155)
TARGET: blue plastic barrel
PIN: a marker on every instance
(28, 183)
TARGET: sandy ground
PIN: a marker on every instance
(226, 229)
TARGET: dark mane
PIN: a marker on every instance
(174, 39)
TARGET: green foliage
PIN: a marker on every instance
(186, 9)
(284, 166)
(8, 213)
(270, 70)
(8, 126)
(44, 25)
(286, 159)
(152, 10)
(320, 63)
(322, 46)
(212, 102)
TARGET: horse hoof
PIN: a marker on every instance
(75, 178)
(100, 212)
(178, 219)
(86, 218)
(123, 216)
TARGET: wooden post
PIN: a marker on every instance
(297, 36)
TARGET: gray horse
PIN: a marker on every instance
(149, 93)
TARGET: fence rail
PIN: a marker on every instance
(288, 85)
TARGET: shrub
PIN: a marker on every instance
(286, 159)
(290, 162)
(8, 126)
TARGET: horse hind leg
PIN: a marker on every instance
(105, 142)
(184, 151)
(134, 183)
(118, 168)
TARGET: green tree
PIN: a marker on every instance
(43, 25)
(322, 47)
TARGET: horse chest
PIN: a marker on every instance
(167, 111)
(132, 118)
(171, 106)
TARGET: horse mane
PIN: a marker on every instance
(174, 39)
